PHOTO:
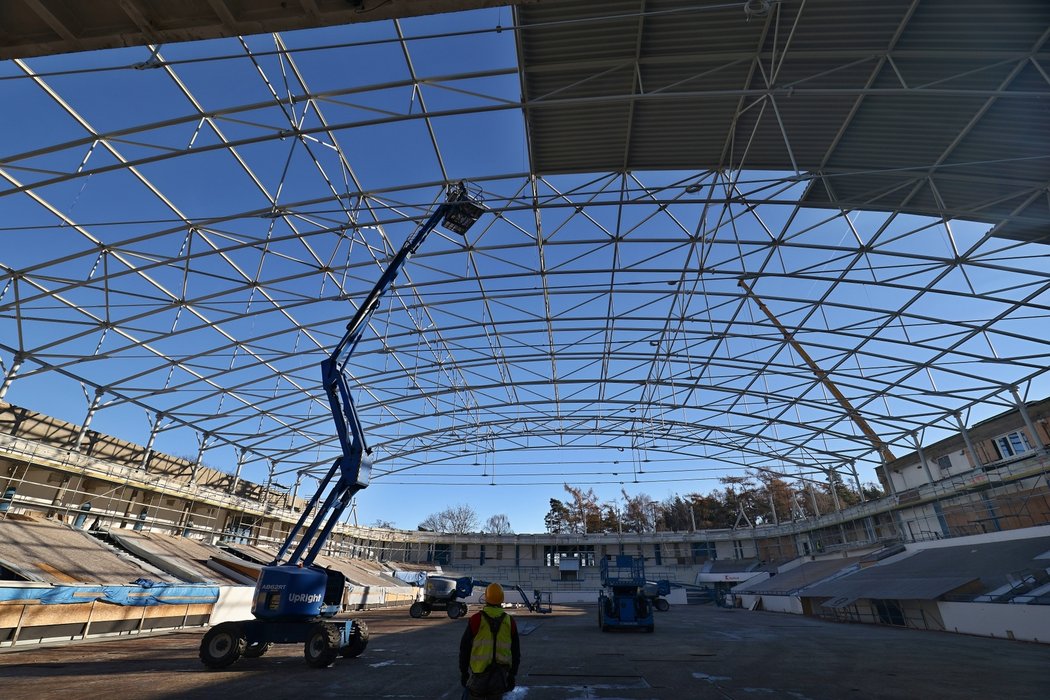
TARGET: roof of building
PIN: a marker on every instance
(54, 552)
(806, 574)
(884, 104)
(928, 573)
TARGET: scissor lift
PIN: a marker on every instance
(622, 602)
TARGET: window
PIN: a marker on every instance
(499, 551)
(463, 552)
(702, 551)
(945, 463)
(442, 554)
(553, 555)
(1011, 444)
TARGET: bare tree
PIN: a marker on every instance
(638, 512)
(457, 519)
(462, 518)
(499, 525)
(584, 514)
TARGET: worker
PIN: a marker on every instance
(489, 652)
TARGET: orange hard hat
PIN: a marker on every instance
(494, 594)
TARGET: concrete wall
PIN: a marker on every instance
(24, 623)
(1030, 623)
(1026, 622)
(1004, 536)
(907, 472)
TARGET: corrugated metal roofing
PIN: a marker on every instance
(933, 107)
(792, 581)
(38, 28)
(923, 588)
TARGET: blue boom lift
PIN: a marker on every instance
(622, 602)
(295, 600)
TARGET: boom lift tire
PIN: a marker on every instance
(416, 610)
(254, 651)
(456, 610)
(222, 645)
(661, 605)
(358, 641)
(322, 646)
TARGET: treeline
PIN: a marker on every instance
(757, 498)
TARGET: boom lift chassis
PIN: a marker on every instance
(295, 599)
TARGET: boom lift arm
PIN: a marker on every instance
(457, 213)
(294, 597)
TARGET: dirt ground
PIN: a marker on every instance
(695, 652)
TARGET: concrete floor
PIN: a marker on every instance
(696, 652)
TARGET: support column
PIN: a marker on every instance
(154, 429)
(200, 457)
(87, 419)
(856, 480)
(127, 509)
(889, 478)
(269, 481)
(295, 489)
(813, 498)
(16, 364)
(969, 443)
(869, 527)
(834, 491)
(242, 456)
(922, 456)
(1036, 441)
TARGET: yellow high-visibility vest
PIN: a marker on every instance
(481, 651)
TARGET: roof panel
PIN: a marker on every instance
(857, 88)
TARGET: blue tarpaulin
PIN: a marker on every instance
(140, 593)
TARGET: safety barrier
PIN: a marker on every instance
(34, 612)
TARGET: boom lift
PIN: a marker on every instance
(294, 598)
(446, 593)
(655, 592)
